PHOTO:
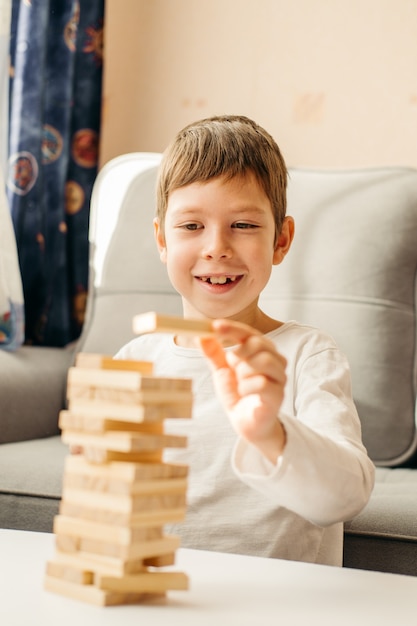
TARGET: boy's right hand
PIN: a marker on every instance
(250, 380)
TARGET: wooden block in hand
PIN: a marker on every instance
(155, 323)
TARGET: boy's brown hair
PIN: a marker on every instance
(228, 146)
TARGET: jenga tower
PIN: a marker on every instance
(118, 492)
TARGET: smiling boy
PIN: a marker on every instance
(275, 452)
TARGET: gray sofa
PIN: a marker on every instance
(352, 271)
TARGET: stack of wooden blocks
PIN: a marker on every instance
(118, 493)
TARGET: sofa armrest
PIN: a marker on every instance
(32, 391)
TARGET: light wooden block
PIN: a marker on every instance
(106, 516)
(153, 547)
(163, 560)
(99, 484)
(124, 441)
(72, 421)
(107, 362)
(100, 563)
(131, 410)
(125, 396)
(121, 535)
(67, 543)
(154, 322)
(93, 595)
(123, 504)
(129, 472)
(126, 553)
(131, 551)
(69, 573)
(150, 582)
(105, 548)
(101, 456)
(125, 380)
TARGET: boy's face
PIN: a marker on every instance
(219, 246)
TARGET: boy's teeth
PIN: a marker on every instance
(218, 280)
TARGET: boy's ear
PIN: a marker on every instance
(160, 240)
(284, 240)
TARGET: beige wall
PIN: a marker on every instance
(335, 81)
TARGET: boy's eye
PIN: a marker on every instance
(243, 225)
(190, 226)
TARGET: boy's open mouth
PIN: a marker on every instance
(218, 280)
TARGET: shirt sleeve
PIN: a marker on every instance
(324, 473)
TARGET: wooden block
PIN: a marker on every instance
(93, 595)
(105, 548)
(125, 380)
(69, 573)
(131, 410)
(106, 516)
(120, 535)
(100, 563)
(124, 396)
(72, 421)
(67, 543)
(128, 552)
(124, 504)
(124, 441)
(100, 456)
(129, 472)
(90, 482)
(150, 582)
(154, 547)
(107, 362)
(160, 561)
(153, 322)
(124, 553)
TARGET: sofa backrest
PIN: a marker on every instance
(126, 275)
(351, 271)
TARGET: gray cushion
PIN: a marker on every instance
(31, 482)
(384, 536)
(126, 276)
(32, 391)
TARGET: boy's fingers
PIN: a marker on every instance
(233, 332)
(213, 351)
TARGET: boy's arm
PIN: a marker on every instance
(250, 380)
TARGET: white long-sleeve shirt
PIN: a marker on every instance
(237, 501)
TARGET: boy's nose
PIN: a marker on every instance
(217, 245)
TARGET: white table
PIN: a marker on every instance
(225, 590)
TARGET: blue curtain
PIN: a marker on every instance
(56, 52)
